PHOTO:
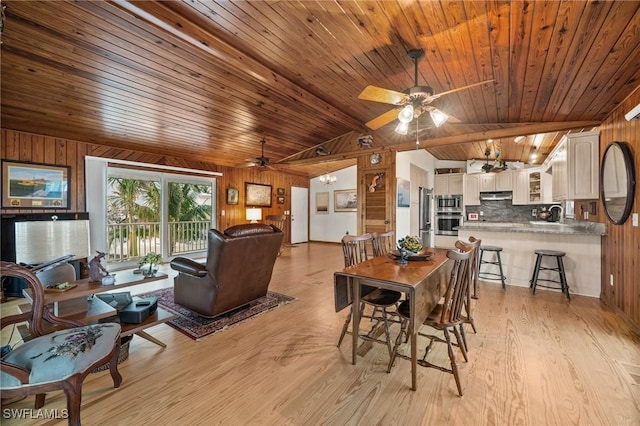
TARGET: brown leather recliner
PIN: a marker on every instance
(239, 265)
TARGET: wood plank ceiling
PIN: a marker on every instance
(211, 79)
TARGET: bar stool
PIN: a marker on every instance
(559, 269)
(497, 261)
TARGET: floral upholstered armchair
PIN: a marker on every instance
(59, 360)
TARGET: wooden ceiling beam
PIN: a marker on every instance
(517, 130)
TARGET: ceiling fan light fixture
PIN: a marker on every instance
(438, 117)
(519, 139)
(406, 114)
(402, 128)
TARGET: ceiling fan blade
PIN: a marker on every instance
(378, 94)
(383, 119)
(437, 95)
(247, 164)
(453, 120)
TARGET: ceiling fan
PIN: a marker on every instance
(498, 166)
(410, 103)
(261, 161)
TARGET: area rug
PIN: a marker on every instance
(197, 327)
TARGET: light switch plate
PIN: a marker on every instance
(634, 219)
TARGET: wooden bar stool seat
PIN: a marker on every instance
(540, 254)
(497, 262)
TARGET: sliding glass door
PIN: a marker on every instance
(157, 212)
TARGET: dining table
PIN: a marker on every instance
(423, 280)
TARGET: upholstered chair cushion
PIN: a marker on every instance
(58, 355)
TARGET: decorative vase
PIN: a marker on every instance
(149, 272)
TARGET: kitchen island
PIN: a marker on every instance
(579, 240)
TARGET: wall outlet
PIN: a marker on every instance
(534, 212)
(611, 280)
(222, 212)
(634, 220)
(481, 213)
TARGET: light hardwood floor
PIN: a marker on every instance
(536, 360)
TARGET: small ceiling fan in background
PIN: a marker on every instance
(499, 165)
(410, 103)
(261, 161)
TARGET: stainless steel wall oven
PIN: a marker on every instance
(446, 222)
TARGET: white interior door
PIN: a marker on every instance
(299, 215)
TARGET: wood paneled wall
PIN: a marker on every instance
(34, 148)
(621, 245)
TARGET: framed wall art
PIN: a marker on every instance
(257, 195)
(232, 196)
(404, 193)
(345, 200)
(280, 191)
(322, 202)
(280, 200)
(35, 186)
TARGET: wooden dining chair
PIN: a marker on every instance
(280, 222)
(59, 360)
(473, 285)
(383, 243)
(446, 317)
(355, 249)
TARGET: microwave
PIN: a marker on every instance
(449, 203)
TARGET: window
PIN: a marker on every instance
(134, 212)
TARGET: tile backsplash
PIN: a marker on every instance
(504, 211)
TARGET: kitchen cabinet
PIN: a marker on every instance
(448, 184)
(521, 188)
(532, 186)
(471, 194)
(574, 166)
(491, 182)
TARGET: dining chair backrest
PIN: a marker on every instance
(355, 248)
(473, 261)
(383, 243)
(458, 286)
(277, 220)
(474, 266)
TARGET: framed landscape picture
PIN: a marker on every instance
(257, 195)
(345, 200)
(232, 196)
(35, 186)
(322, 202)
(404, 193)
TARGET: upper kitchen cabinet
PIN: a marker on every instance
(574, 167)
(532, 186)
(491, 182)
(448, 184)
(471, 194)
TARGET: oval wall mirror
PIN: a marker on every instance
(617, 182)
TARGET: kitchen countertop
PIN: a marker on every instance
(541, 227)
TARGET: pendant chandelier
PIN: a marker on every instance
(328, 179)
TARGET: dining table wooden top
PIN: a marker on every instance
(387, 269)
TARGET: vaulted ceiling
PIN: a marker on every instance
(211, 79)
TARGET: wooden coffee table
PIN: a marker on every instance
(78, 303)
